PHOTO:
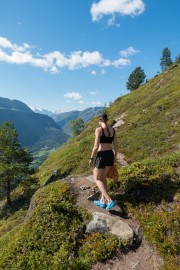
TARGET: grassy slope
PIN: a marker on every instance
(52, 236)
(151, 127)
(150, 130)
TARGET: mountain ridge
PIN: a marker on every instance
(33, 128)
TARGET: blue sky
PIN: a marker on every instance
(67, 54)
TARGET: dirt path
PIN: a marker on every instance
(143, 257)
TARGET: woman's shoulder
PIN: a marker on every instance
(98, 129)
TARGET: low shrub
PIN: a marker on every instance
(53, 235)
(97, 247)
(54, 226)
(150, 172)
(161, 228)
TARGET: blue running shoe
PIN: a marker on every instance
(98, 203)
(110, 205)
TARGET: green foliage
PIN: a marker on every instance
(150, 172)
(73, 159)
(6, 225)
(135, 79)
(76, 126)
(52, 236)
(157, 226)
(97, 247)
(151, 186)
(40, 156)
(166, 59)
(9, 227)
(54, 225)
(160, 226)
(14, 160)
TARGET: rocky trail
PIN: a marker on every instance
(140, 255)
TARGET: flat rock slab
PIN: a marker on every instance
(105, 223)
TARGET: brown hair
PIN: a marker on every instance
(103, 117)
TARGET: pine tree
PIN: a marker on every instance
(14, 160)
(135, 79)
(165, 59)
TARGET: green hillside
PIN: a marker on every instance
(150, 129)
(50, 235)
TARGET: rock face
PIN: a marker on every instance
(104, 223)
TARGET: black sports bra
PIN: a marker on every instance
(105, 139)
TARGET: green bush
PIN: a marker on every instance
(53, 235)
(97, 247)
(52, 230)
(150, 172)
(161, 228)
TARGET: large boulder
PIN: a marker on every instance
(105, 223)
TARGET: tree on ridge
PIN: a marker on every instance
(165, 59)
(135, 79)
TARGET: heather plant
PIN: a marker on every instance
(157, 173)
(53, 235)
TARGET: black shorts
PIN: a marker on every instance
(103, 159)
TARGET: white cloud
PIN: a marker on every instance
(121, 62)
(93, 72)
(54, 61)
(112, 7)
(5, 43)
(81, 59)
(73, 95)
(128, 52)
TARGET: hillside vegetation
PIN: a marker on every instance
(151, 127)
(51, 235)
(149, 187)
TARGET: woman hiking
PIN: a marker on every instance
(103, 155)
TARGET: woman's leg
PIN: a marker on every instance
(105, 180)
(100, 179)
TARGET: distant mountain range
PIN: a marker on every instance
(63, 118)
(40, 128)
(35, 130)
(44, 111)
